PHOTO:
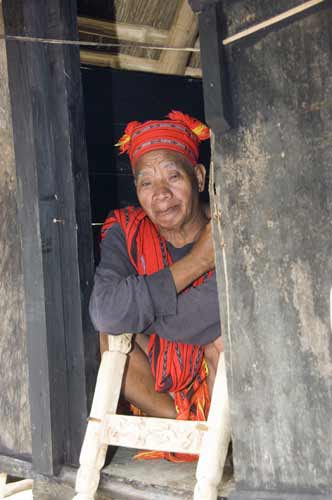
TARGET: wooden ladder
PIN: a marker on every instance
(208, 439)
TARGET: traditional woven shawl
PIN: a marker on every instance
(178, 368)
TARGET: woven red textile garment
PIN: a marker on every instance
(177, 368)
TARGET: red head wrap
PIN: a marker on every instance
(180, 133)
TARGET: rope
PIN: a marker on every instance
(54, 41)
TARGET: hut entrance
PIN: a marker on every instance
(112, 98)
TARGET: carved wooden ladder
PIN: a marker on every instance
(208, 439)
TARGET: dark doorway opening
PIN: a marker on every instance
(112, 98)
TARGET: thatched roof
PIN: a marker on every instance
(152, 23)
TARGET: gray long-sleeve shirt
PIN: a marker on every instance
(122, 301)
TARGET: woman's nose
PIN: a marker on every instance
(161, 190)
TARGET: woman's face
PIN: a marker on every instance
(167, 188)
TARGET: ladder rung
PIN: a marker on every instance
(147, 433)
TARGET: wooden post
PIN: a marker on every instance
(15, 435)
(54, 213)
(217, 101)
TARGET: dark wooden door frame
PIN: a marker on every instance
(54, 214)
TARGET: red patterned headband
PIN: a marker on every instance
(180, 133)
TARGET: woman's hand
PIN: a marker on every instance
(198, 261)
(203, 250)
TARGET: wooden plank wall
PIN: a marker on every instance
(54, 212)
(15, 432)
(273, 185)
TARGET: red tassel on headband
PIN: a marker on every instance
(124, 141)
(201, 130)
(180, 133)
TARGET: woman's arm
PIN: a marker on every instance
(124, 302)
(197, 320)
(199, 261)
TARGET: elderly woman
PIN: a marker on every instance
(156, 275)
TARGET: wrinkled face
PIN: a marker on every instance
(167, 188)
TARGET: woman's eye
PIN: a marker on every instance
(174, 176)
(145, 183)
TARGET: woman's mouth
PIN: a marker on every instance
(167, 212)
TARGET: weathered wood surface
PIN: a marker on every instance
(123, 479)
(263, 495)
(115, 487)
(113, 490)
(183, 33)
(273, 187)
(162, 434)
(15, 435)
(54, 213)
(16, 467)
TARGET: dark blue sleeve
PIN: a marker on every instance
(122, 301)
(197, 316)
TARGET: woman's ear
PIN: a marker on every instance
(200, 174)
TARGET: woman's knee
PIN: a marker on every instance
(212, 351)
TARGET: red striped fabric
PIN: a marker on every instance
(178, 368)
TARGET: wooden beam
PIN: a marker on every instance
(216, 103)
(16, 467)
(193, 72)
(118, 61)
(127, 62)
(200, 5)
(122, 31)
(183, 33)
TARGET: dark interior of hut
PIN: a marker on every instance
(112, 98)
